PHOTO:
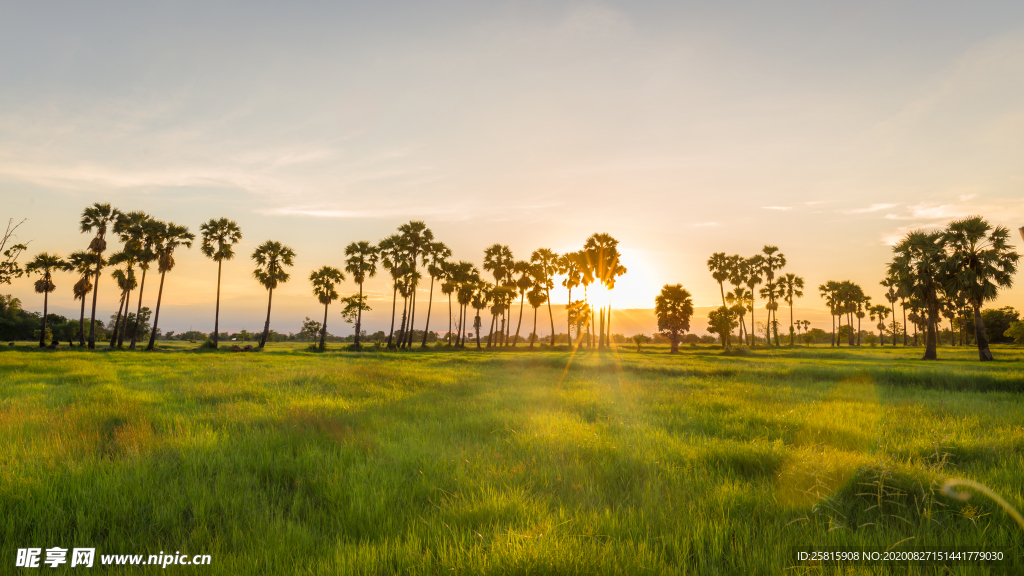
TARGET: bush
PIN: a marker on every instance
(1016, 331)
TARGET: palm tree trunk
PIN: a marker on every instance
(522, 300)
(323, 331)
(81, 324)
(407, 325)
(903, 304)
(608, 327)
(412, 318)
(401, 324)
(568, 322)
(430, 305)
(359, 315)
(394, 304)
(449, 319)
(138, 311)
(600, 336)
(834, 330)
(266, 325)
(462, 325)
(121, 307)
(216, 312)
(721, 290)
(753, 328)
(984, 353)
(551, 316)
(476, 328)
(92, 319)
(490, 330)
(792, 334)
(46, 308)
(930, 336)
(124, 324)
(534, 334)
(156, 315)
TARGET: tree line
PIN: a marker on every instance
(405, 256)
(947, 273)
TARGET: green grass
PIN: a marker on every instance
(437, 462)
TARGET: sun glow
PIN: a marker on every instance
(598, 296)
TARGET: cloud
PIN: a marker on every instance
(777, 207)
(704, 224)
(924, 211)
(872, 208)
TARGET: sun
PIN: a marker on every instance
(598, 295)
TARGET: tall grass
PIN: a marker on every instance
(424, 463)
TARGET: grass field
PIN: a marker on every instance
(440, 462)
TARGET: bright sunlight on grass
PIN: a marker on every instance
(432, 462)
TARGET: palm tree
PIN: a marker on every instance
(361, 263)
(674, 308)
(393, 256)
(126, 282)
(737, 299)
(498, 260)
(271, 257)
(750, 272)
(603, 255)
(481, 290)
(880, 312)
(792, 288)
(130, 229)
(82, 263)
(523, 285)
(771, 261)
(546, 261)
(981, 261)
(466, 277)
(537, 298)
(918, 264)
(171, 237)
(434, 259)
(45, 264)
(569, 265)
(719, 265)
(150, 233)
(324, 280)
(98, 218)
(830, 292)
(863, 302)
(449, 285)
(892, 295)
(219, 237)
(417, 238)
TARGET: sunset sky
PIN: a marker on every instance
(681, 129)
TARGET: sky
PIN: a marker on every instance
(681, 129)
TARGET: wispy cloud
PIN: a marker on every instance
(872, 208)
(777, 207)
(704, 224)
(925, 211)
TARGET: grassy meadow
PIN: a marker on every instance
(436, 462)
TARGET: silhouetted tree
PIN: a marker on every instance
(324, 280)
(674, 308)
(97, 218)
(271, 257)
(980, 262)
(171, 237)
(361, 263)
(219, 237)
(45, 264)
